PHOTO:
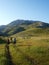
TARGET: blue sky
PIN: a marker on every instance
(24, 9)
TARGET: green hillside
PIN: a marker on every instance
(21, 25)
(34, 32)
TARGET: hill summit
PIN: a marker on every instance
(21, 25)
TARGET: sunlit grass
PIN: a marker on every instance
(35, 49)
(2, 54)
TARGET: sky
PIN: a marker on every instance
(11, 10)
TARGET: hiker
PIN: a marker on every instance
(7, 47)
(14, 40)
(8, 41)
(11, 39)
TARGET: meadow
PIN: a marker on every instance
(27, 51)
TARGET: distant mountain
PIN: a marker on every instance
(2, 27)
(21, 25)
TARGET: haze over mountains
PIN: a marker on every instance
(18, 26)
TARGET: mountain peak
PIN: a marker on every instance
(20, 25)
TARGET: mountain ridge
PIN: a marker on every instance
(21, 25)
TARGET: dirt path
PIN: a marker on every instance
(8, 56)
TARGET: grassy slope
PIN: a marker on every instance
(31, 52)
(31, 32)
(28, 51)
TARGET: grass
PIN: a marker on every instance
(39, 51)
(27, 51)
(33, 32)
(2, 54)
